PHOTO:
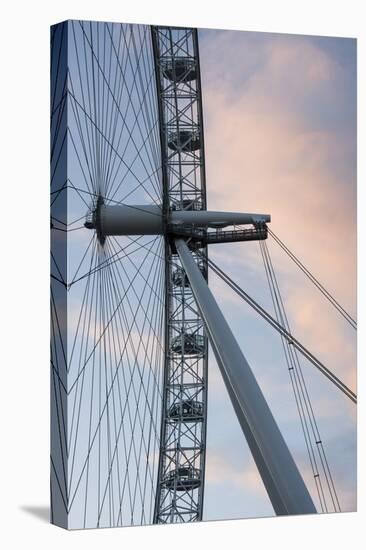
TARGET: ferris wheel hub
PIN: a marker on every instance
(93, 219)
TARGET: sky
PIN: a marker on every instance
(280, 138)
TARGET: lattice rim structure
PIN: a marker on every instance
(180, 486)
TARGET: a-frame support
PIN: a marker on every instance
(281, 477)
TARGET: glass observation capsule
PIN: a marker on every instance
(180, 278)
(188, 344)
(184, 140)
(187, 204)
(179, 69)
(183, 478)
(187, 409)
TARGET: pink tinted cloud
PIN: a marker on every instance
(263, 155)
(220, 471)
(268, 149)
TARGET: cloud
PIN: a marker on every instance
(280, 134)
(220, 471)
(266, 152)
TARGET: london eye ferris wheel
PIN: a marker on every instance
(132, 315)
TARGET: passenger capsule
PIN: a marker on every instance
(180, 69)
(188, 410)
(189, 344)
(184, 140)
(183, 478)
(187, 204)
(180, 278)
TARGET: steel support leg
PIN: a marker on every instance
(281, 477)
